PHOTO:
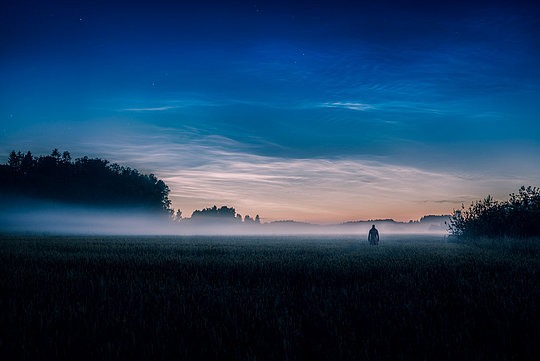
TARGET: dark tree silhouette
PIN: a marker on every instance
(248, 219)
(223, 213)
(91, 181)
(518, 217)
(178, 215)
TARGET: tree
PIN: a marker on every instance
(15, 159)
(249, 220)
(55, 154)
(519, 217)
(66, 157)
(223, 213)
(85, 181)
(178, 215)
(27, 163)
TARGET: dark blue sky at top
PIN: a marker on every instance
(423, 83)
(292, 74)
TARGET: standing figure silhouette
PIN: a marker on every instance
(373, 236)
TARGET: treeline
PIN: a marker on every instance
(222, 214)
(518, 217)
(89, 181)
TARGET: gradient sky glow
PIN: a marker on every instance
(319, 111)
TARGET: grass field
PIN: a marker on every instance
(268, 298)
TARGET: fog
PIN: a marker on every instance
(56, 218)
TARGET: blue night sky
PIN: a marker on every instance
(320, 111)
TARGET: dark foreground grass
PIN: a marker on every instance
(265, 299)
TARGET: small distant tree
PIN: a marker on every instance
(27, 163)
(178, 215)
(55, 154)
(66, 157)
(15, 159)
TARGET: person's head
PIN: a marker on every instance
(373, 226)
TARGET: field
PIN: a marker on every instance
(266, 298)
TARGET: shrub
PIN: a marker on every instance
(518, 217)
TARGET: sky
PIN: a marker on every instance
(317, 111)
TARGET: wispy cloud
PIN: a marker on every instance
(348, 105)
(154, 109)
(203, 171)
(389, 106)
(182, 102)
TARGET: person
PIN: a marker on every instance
(373, 236)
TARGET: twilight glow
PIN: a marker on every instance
(313, 111)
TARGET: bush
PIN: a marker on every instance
(518, 217)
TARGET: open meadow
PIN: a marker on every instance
(266, 298)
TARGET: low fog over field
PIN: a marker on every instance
(58, 218)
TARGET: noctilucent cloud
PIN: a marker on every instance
(319, 111)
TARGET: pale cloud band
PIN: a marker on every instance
(206, 170)
(215, 170)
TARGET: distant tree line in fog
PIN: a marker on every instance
(518, 217)
(89, 181)
(223, 214)
(96, 182)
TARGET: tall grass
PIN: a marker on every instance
(265, 299)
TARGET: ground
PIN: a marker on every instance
(266, 298)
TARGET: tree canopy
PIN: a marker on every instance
(518, 217)
(91, 181)
(222, 214)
